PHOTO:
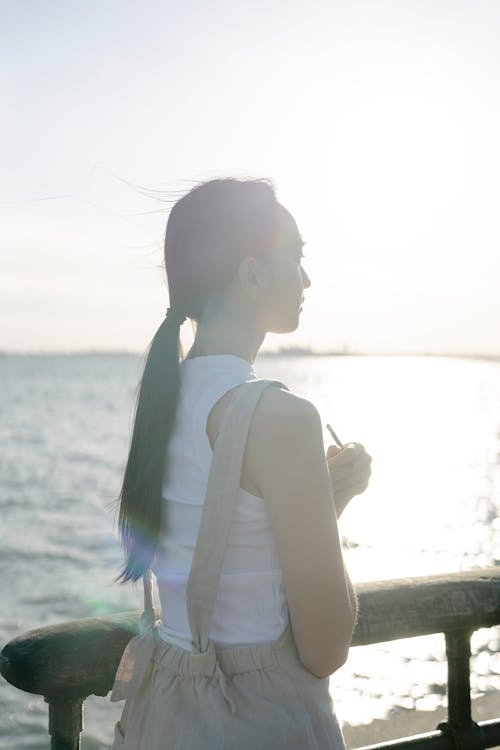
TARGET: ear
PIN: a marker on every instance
(252, 276)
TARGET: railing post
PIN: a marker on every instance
(465, 733)
(65, 722)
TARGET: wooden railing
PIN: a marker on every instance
(66, 663)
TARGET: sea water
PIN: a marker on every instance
(431, 424)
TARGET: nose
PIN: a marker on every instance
(306, 280)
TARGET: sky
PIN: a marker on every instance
(377, 121)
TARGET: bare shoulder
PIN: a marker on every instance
(283, 422)
(277, 401)
(280, 409)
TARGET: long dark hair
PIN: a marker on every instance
(209, 230)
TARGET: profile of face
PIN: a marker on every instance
(287, 279)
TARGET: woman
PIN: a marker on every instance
(229, 498)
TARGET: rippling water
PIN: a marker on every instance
(431, 424)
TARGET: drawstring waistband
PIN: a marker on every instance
(137, 662)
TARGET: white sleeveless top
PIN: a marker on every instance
(251, 604)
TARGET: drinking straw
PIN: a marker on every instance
(332, 432)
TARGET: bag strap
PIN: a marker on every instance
(147, 619)
(216, 517)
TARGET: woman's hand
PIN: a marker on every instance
(350, 470)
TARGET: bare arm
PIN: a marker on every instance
(352, 595)
(287, 453)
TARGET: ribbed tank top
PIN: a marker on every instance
(251, 604)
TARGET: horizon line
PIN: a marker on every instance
(281, 352)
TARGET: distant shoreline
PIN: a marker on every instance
(284, 352)
(293, 352)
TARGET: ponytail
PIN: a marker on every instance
(140, 513)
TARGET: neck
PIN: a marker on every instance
(224, 336)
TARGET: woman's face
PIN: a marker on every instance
(287, 278)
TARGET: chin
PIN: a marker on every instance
(288, 327)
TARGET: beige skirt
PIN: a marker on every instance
(245, 698)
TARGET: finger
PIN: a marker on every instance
(354, 472)
(361, 455)
(346, 456)
(332, 451)
(341, 480)
(355, 446)
(348, 484)
(351, 456)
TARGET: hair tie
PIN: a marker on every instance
(175, 315)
